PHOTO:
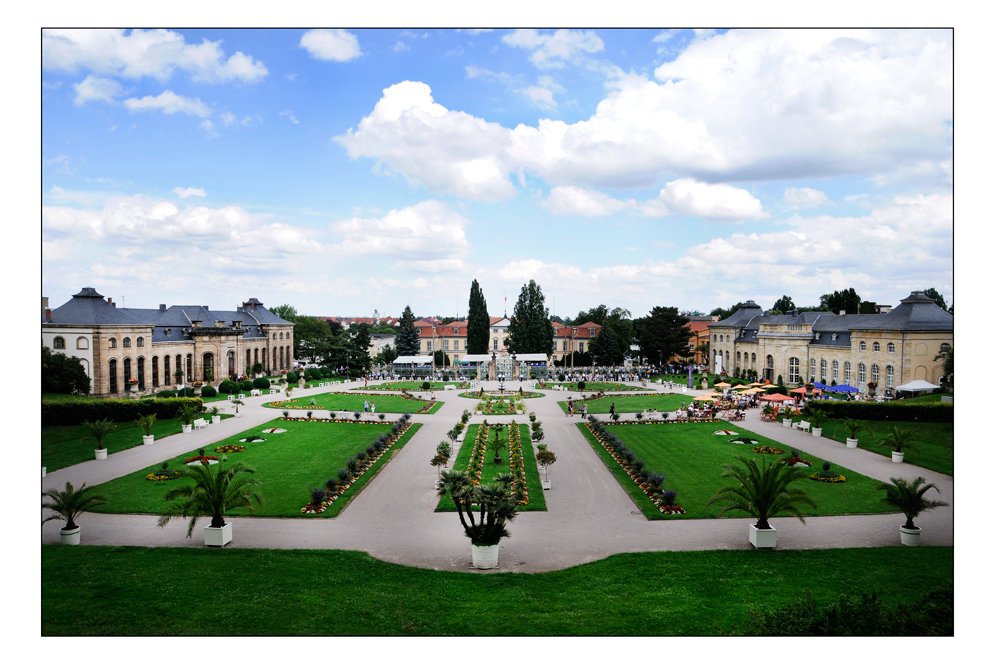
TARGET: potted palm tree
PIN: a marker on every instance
(899, 440)
(215, 490)
(496, 444)
(98, 431)
(495, 508)
(763, 491)
(237, 403)
(853, 427)
(68, 505)
(145, 423)
(215, 415)
(816, 417)
(908, 498)
(186, 414)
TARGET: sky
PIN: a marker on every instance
(347, 171)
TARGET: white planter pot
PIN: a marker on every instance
(817, 433)
(100, 454)
(910, 536)
(787, 423)
(70, 536)
(762, 539)
(43, 471)
(851, 442)
(546, 486)
(485, 557)
(187, 428)
(238, 414)
(148, 440)
(898, 457)
(217, 536)
(215, 419)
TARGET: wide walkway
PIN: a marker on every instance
(589, 517)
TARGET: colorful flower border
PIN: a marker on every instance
(767, 449)
(287, 405)
(516, 459)
(831, 480)
(159, 477)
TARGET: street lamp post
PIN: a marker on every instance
(433, 352)
(573, 336)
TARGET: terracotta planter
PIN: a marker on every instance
(485, 557)
(763, 539)
(70, 536)
(910, 536)
(101, 453)
(851, 442)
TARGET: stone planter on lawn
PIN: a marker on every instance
(851, 442)
(485, 557)
(217, 536)
(898, 457)
(763, 539)
(70, 535)
(910, 536)
(101, 453)
(148, 440)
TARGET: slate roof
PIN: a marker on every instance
(88, 307)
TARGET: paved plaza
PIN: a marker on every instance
(590, 516)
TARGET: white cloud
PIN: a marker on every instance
(338, 45)
(401, 46)
(552, 50)
(140, 53)
(62, 164)
(711, 201)
(541, 97)
(585, 202)
(189, 191)
(804, 197)
(479, 72)
(230, 119)
(89, 198)
(290, 116)
(94, 88)
(169, 102)
(428, 236)
(446, 151)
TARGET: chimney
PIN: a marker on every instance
(842, 312)
(162, 307)
(48, 314)
(111, 302)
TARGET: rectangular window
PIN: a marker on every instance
(889, 373)
(582, 346)
(445, 344)
(456, 344)
(495, 344)
(428, 346)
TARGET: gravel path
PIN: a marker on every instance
(589, 517)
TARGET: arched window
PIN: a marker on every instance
(140, 342)
(863, 345)
(737, 358)
(141, 374)
(189, 371)
(281, 335)
(276, 363)
(256, 355)
(944, 347)
(165, 370)
(112, 343)
(231, 363)
(889, 376)
(727, 358)
(274, 336)
(59, 343)
(179, 367)
(112, 376)
(753, 361)
(861, 373)
(891, 348)
(155, 372)
(82, 343)
(877, 347)
(846, 372)
(822, 371)
(794, 365)
(248, 360)
(127, 371)
(836, 370)
(126, 343)
(207, 366)
(811, 369)
(875, 373)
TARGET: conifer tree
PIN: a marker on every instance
(407, 336)
(478, 322)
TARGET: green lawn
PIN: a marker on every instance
(410, 385)
(935, 441)
(186, 592)
(591, 386)
(343, 401)
(635, 403)
(63, 446)
(691, 456)
(287, 464)
(537, 501)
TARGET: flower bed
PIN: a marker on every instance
(664, 500)
(293, 405)
(252, 439)
(832, 480)
(332, 494)
(161, 476)
(519, 487)
(743, 440)
(498, 393)
(231, 448)
(200, 459)
(600, 386)
(767, 449)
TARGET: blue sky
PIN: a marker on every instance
(344, 171)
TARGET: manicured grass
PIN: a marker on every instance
(64, 446)
(635, 403)
(150, 591)
(934, 441)
(925, 398)
(287, 465)
(591, 386)
(537, 501)
(691, 456)
(410, 385)
(343, 401)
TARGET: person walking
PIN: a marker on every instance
(366, 406)
(611, 411)
(373, 407)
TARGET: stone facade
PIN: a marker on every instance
(889, 349)
(139, 350)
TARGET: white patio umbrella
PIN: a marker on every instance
(917, 386)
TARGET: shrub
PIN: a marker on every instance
(208, 391)
(896, 411)
(292, 377)
(581, 384)
(70, 412)
(245, 386)
(426, 386)
(165, 394)
(261, 383)
(228, 387)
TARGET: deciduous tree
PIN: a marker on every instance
(530, 330)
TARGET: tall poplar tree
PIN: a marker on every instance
(478, 322)
(407, 342)
(531, 330)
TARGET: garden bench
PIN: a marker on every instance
(199, 423)
(450, 387)
(256, 393)
(804, 426)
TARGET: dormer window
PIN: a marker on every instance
(237, 324)
(169, 332)
(834, 337)
(817, 335)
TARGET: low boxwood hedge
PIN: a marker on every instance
(208, 391)
(245, 386)
(77, 411)
(261, 383)
(894, 410)
(228, 387)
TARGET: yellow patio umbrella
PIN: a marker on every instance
(704, 398)
(755, 390)
(741, 387)
(722, 384)
(714, 394)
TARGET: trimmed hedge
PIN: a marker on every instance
(72, 412)
(261, 383)
(292, 377)
(208, 391)
(228, 387)
(895, 410)
(245, 386)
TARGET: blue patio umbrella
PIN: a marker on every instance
(843, 388)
